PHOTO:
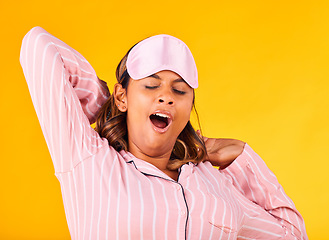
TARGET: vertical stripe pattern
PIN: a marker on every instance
(113, 195)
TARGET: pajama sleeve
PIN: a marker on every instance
(66, 94)
(253, 179)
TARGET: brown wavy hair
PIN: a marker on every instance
(111, 124)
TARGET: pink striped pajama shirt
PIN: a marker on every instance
(113, 195)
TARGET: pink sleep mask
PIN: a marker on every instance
(162, 52)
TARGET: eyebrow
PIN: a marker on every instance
(176, 80)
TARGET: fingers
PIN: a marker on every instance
(198, 132)
(202, 137)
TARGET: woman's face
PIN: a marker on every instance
(158, 109)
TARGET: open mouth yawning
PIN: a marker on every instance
(160, 121)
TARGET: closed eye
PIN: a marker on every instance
(151, 87)
(179, 92)
(174, 89)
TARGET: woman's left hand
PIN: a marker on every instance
(222, 151)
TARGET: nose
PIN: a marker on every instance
(162, 100)
(166, 98)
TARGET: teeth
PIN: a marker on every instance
(161, 115)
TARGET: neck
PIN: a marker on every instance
(160, 161)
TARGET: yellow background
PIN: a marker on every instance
(263, 73)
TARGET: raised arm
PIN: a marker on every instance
(250, 175)
(66, 94)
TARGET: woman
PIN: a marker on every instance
(145, 173)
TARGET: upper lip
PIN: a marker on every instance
(167, 113)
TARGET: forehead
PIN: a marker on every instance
(163, 76)
(166, 74)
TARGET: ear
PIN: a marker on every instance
(120, 97)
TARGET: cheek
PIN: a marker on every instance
(134, 101)
(134, 113)
(185, 112)
(137, 109)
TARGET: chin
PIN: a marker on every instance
(158, 148)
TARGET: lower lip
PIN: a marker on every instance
(160, 130)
